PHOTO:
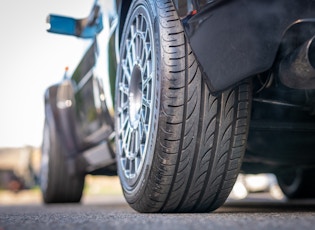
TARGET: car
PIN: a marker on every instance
(19, 168)
(179, 97)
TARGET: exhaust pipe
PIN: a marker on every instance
(297, 70)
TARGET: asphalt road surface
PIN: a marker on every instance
(114, 213)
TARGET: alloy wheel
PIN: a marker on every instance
(136, 83)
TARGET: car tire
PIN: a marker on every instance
(297, 183)
(56, 182)
(179, 147)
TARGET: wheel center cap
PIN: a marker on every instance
(135, 96)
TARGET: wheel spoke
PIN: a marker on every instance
(137, 141)
(148, 69)
(147, 56)
(142, 151)
(146, 81)
(126, 138)
(126, 71)
(132, 31)
(142, 56)
(123, 88)
(122, 108)
(130, 167)
(146, 103)
(144, 121)
(129, 55)
(137, 162)
(124, 125)
(140, 130)
(133, 50)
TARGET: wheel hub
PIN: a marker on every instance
(135, 96)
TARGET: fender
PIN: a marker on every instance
(234, 40)
(58, 107)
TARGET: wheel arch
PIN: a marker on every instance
(51, 112)
(59, 118)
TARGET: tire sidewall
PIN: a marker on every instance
(61, 186)
(135, 191)
(291, 189)
(52, 151)
(44, 173)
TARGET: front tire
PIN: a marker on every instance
(179, 147)
(57, 184)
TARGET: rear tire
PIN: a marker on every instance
(297, 183)
(179, 147)
(57, 184)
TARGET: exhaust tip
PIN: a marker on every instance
(311, 52)
(297, 70)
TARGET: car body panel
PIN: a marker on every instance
(234, 40)
(79, 103)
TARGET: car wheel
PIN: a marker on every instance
(179, 148)
(57, 184)
(297, 183)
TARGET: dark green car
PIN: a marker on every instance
(179, 96)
